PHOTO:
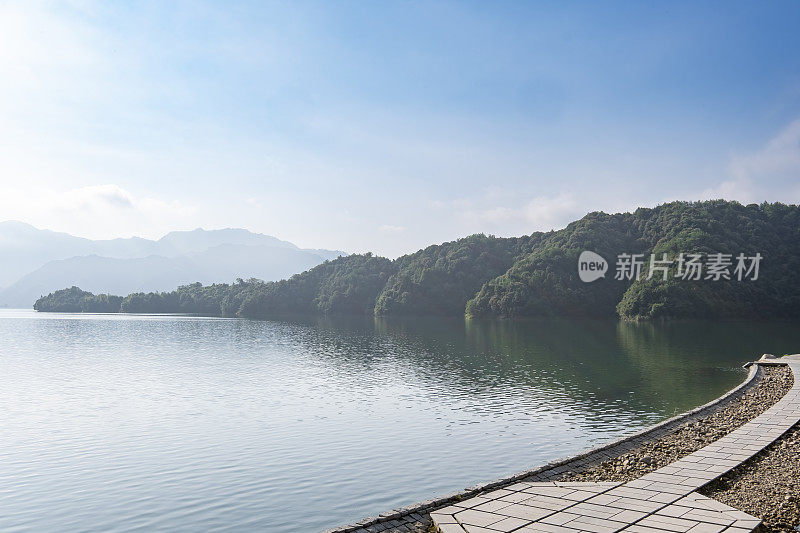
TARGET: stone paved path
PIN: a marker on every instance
(661, 501)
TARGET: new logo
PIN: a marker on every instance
(591, 266)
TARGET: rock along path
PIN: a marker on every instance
(661, 501)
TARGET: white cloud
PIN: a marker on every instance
(780, 158)
(771, 173)
(94, 198)
(254, 202)
(741, 189)
(391, 229)
(540, 213)
(547, 213)
(500, 214)
(457, 203)
(97, 211)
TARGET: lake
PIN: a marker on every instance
(122, 423)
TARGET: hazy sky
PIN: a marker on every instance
(387, 126)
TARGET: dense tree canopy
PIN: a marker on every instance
(441, 278)
(536, 275)
(546, 281)
(74, 300)
(345, 286)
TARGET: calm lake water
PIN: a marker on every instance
(119, 423)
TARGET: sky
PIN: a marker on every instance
(388, 126)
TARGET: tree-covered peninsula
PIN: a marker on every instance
(74, 300)
(533, 275)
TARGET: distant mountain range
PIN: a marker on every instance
(35, 262)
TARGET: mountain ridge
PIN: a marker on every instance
(31, 254)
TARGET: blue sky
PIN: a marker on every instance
(387, 126)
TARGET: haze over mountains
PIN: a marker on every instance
(36, 262)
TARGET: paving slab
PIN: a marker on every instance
(662, 501)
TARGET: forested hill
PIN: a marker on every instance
(545, 282)
(535, 275)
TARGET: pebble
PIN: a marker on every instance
(766, 486)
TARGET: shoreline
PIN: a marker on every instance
(692, 435)
(415, 518)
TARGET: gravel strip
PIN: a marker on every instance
(693, 435)
(767, 486)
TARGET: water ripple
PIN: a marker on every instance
(146, 423)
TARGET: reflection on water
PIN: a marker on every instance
(113, 423)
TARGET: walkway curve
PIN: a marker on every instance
(416, 517)
(661, 501)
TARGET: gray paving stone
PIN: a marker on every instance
(477, 518)
(663, 500)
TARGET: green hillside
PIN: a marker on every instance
(546, 281)
(529, 276)
(440, 279)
